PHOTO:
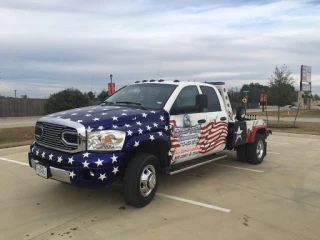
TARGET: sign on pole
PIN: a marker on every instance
(263, 98)
(305, 78)
(111, 88)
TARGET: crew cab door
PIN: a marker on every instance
(214, 131)
(186, 121)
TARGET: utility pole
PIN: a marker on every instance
(111, 78)
(15, 93)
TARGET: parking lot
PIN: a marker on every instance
(279, 199)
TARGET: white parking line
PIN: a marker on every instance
(193, 202)
(13, 161)
(274, 153)
(247, 169)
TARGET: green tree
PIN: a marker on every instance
(91, 96)
(67, 99)
(281, 90)
(103, 95)
(24, 96)
(316, 97)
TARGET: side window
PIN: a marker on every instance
(213, 100)
(187, 97)
(186, 101)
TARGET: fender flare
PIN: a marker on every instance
(256, 129)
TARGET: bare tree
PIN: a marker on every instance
(281, 91)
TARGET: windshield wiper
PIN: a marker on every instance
(105, 103)
(132, 103)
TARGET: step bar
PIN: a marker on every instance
(195, 165)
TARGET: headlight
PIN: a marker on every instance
(110, 140)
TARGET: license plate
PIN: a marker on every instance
(42, 171)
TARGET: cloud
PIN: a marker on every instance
(50, 45)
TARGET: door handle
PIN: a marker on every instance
(201, 121)
(223, 118)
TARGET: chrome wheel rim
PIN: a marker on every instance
(148, 180)
(260, 149)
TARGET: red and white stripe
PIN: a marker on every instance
(212, 136)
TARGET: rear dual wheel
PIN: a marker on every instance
(256, 150)
(253, 153)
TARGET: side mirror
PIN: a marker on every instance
(202, 102)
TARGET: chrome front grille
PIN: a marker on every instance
(56, 136)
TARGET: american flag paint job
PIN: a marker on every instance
(140, 126)
(211, 136)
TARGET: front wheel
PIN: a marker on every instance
(141, 180)
(256, 150)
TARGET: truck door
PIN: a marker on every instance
(186, 123)
(214, 131)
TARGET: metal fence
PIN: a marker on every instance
(20, 107)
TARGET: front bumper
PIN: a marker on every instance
(85, 169)
(53, 173)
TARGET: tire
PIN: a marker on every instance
(141, 180)
(241, 153)
(256, 150)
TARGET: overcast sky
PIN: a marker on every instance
(47, 46)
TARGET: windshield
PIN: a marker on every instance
(148, 96)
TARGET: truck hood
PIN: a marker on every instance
(98, 117)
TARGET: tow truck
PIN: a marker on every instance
(145, 128)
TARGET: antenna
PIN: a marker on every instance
(159, 70)
(92, 82)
